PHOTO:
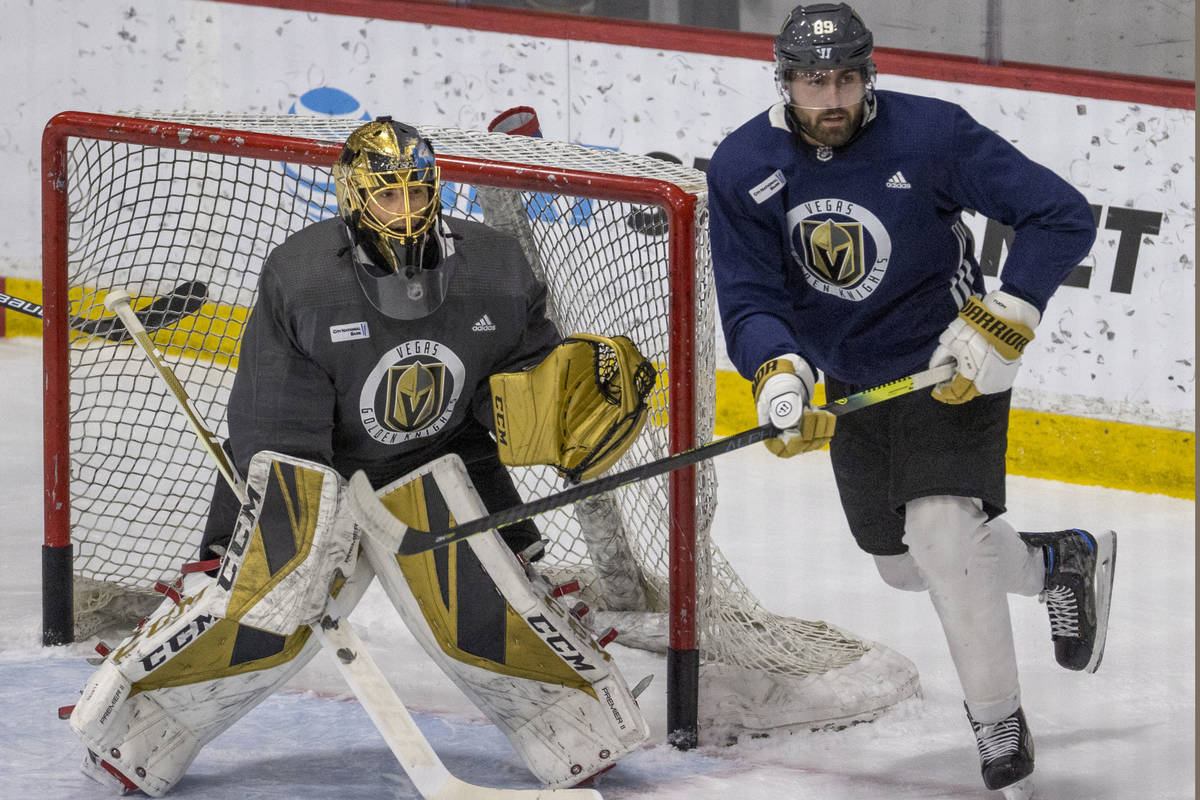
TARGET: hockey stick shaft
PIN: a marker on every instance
(20, 304)
(417, 541)
(383, 706)
(162, 312)
(118, 302)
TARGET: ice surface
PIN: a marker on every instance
(1126, 732)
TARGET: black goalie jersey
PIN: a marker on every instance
(325, 376)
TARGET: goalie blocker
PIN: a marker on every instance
(217, 646)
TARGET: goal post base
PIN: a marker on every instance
(58, 607)
(683, 677)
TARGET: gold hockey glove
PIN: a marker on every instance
(577, 411)
(985, 341)
(783, 388)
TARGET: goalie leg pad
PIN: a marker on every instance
(219, 646)
(292, 538)
(518, 655)
(181, 679)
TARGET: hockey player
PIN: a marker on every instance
(375, 332)
(387, 343)
(838, 246)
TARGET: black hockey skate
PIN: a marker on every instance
(1005, 755)
(1077, 593)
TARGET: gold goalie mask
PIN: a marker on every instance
(388, 186)
(578, 410)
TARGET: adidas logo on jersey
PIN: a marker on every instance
(898, 181)
(483, 324)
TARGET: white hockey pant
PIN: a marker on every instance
(969, 566)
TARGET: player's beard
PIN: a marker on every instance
(830, 127)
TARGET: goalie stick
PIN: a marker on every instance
(163, 312)
(408, 541)
(410, 747)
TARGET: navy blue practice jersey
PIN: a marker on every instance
(856, 257)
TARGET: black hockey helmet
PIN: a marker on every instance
(816, 53)
(823, 36)
(388, 188)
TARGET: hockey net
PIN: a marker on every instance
(621, 241)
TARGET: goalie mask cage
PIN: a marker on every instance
(622, 242)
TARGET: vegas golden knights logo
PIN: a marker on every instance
(834, 250)
(415, 395)
(412, 391)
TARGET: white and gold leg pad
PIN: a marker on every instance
(514, 650)
(216, 647)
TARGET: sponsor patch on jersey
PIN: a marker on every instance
(768, 188)
(412, 391)
(349, 332)
(842, 248)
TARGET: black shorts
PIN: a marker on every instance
(914, 446)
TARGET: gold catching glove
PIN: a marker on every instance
(578, 410)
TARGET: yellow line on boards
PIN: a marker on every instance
(1057, 447)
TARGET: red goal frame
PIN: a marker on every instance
(680, 206)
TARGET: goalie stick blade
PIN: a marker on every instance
(418, 758)
(184, 300)
(415, 541)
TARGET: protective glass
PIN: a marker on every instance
(826, 88)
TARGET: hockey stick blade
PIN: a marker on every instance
(409, 541)
(184, 300)
(165, 310)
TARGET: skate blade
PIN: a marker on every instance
(1021, 790)
(1106, 562)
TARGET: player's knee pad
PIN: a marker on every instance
(217, 646)
(523, 659)
(942, 533)
(900, 572)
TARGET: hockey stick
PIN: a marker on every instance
(184, 300)
(117, 302)
(408, 541)
(386, 710)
